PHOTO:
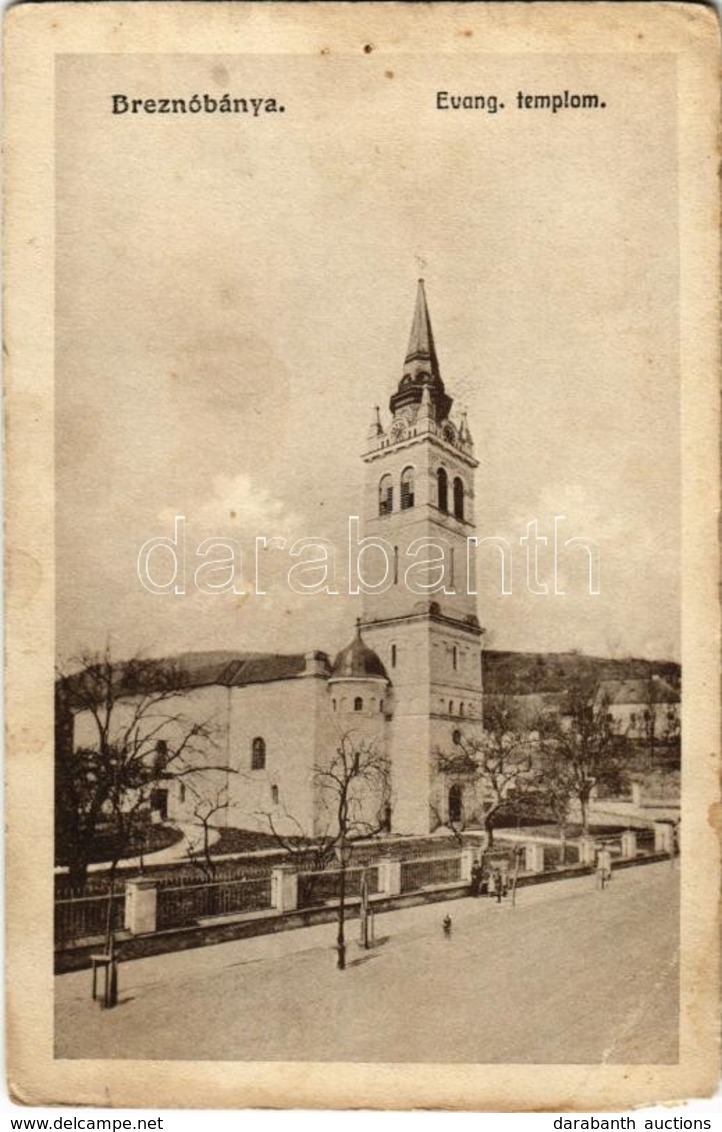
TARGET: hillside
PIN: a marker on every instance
(524, 673)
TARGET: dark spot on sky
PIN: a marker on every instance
(325, 51)
(389, 74)
(368, 48)
(232, 514)
(468, 33)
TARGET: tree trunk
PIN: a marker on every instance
(341, 937)
(583, 801)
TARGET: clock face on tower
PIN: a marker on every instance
(398, 430)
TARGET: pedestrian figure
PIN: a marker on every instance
(498, 885)
(504, 877)
(476, 877)
(446, 924)
(604, 867)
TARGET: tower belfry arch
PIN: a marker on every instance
(419, 498)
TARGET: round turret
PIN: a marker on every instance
(358, 662)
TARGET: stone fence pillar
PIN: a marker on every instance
(284, 888)
(389, 883)
(637, 793)
(663, 837)
(468, 857)
(534, 858)
(587, 851)
(141, 903)
(629, 844)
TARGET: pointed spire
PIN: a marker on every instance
(421, 366)
(375, 428)
(421, 340)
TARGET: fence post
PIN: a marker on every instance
(389, 882)
(663, 837)
(141, 905)
(587, 851)
(629, 844)
(534, 858)
(284, 888)
(467, 864)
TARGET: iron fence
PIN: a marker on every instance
(319, 887)
(427, 871)
(86, 918)
(181, 905)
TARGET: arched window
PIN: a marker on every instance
(333, 704)
(358, 704)
(258, 753)
(393, 656)
(407, 489)
(461, 709)
(442, 489)
(455, 657)
(274, 795)
(458, 499)
(182, 793)
(396, 565)
(456, 804)
(386, 495)
(451, 707)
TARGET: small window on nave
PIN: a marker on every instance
(258, 753)
(274, 795)
(358, 704)
(393, 656)
(333, 704)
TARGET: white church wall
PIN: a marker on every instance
(284, 715)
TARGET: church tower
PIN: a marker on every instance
(422, 622)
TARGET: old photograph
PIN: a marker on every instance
(380, 728)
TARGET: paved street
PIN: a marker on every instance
(570, 975)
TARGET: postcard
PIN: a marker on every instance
(362, 631)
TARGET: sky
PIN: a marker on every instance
(234, 295)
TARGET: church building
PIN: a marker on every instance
(410, 680)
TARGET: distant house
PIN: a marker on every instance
(641, 708)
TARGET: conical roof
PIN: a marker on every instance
(357, 661)
(421, 365)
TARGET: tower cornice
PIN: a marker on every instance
(386, 445)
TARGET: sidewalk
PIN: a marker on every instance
(178, 851)
(504, 988)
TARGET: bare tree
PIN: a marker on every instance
(583, 748)
(496, 764)
(206, 806)
(556, 786)
(353, 792)
(136, 735)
